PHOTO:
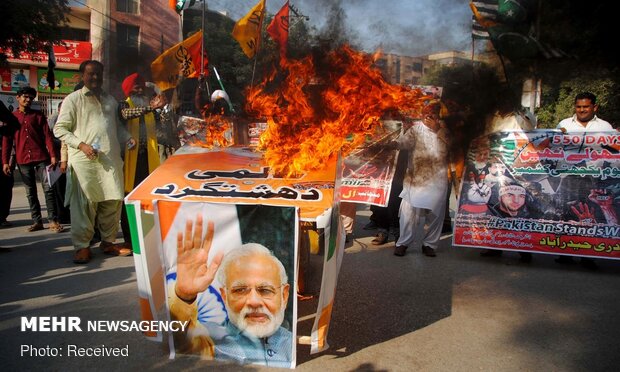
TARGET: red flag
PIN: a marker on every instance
(194, 51)
(278, 29)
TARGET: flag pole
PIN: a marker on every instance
(202, 42)
(51, 64)
(202, 48)
(232, 109)
(260, 37)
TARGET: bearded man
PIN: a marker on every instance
(140, 115)
(255, 292)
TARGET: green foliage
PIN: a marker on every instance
(559, 100)
(30, 25)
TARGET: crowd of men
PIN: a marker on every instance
(87, 157)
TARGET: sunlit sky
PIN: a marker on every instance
(406, 27)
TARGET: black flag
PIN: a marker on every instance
(51, 63)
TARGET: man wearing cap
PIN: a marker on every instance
(511, 201)
(220, 103)
(141, 116)
(511, 204)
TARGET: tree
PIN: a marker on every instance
(30, 25)
(559, 98)
(585, 35)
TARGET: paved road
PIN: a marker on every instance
(455, 312)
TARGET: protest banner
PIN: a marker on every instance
(542, 191)
(368, 172)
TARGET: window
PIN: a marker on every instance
(127, 37)
(128, 6)
(78, 34)
(127, 48)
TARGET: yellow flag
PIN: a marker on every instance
(182, 59)
(247, 29)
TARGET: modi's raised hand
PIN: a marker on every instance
(193, 274)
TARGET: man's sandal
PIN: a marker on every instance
(56, 227)
(115, 249)
(35, 227)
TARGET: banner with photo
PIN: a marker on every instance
(542, 191)
(20, 78)
(65, 81)
(367, 173)
(235, 176)
(230, 272)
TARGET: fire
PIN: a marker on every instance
(215, 129)
(320, 108)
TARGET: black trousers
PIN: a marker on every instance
(6, 194)
(30, 173)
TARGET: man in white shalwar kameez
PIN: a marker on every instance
(426, 182)
(89, 124)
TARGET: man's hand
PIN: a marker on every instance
(600, 197)
(193, 274)
(131, 143)
(158, 102)
(479, 193)
(53, 162)
(6, 169)
(88, 150)
(605, 201)
(584, 213)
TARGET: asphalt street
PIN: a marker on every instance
(455, 312)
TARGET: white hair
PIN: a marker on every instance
(249, 249)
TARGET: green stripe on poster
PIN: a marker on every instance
(133, 227)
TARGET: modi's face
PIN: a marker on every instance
(254, 295)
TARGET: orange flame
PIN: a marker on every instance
(215, 129)
(316, 113)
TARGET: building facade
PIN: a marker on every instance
(407, 70)
(125, 35)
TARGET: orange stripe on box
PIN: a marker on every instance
(167, 211)
(326, 315)
(145, 314)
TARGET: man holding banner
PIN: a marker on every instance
(584, 120)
